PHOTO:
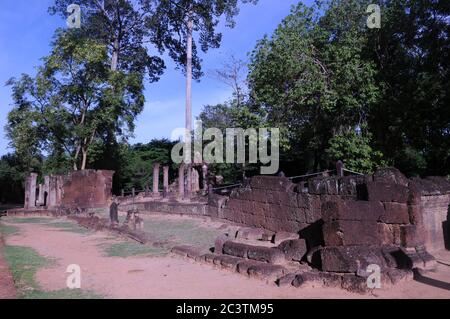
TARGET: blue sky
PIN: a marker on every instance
(26, 30)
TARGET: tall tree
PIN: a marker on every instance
(121, 26)
(174, 23)
(74, 99)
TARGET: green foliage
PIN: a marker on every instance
(354, 150)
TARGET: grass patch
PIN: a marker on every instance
(130, 249)
(8, 230)
(54, 223)
(182, 232)
(70, 227)
(24, 263)
(30, 220)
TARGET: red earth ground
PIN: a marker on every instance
(174, 277)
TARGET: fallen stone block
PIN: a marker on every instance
(286, 280)
(350, 259)
(243, 266)
(235, 249)
(219, 242)
(209, 258)
(250, 233)
(313, 278)
(227, 262)
(265, 271)
(270, 255)
(186, 251)
(399, 275)
(283, 236)
(293, 249)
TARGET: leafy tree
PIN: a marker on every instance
(311, 79)
(121, 26)
(74, 99)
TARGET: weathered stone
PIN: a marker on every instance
(344, 233)
(390, 175)
(227, 262)
(354, 283)
(273, 183)
(219, 242)
(387, 192)
(350, 259)
(243, 266)
(323, 186)
(186, 251)
(399, 275)
(265, 271)
(235, 249)
(283, 236)
(294, 249)
(266, 254)
(351, 210)
(251, 233)
(286, 280)
(408, 236)
(395, 213)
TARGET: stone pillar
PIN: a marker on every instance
(52, 191)
(195, 181)
(181, 194)
(40, 201)
(156, 167)
(340, 169)
(30, 191)
(166, 181)
(59, 189)
(205, 177)
(46, 189)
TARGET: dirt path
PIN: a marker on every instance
(171, 277)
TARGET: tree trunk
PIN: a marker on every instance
(115, 55)
(190, 27)
(83, 163)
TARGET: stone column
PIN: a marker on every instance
(195, 181)
(166, 181)
(340, 169)
(46, 189)
(30, 191)
(52, 191)
(156, 167)
(205, 177)
(40, 201)
(59, 189)
(181, 182)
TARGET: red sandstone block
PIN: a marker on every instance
(273, 183)
(351, 210)
(266, 254)
(267, 272)
(294, 249)
(343, 233)
(350, 259)
(409, 236)
(388, 234)
(387, 192)
(395, 213)
(235, 249)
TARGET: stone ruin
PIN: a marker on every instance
(79, 190)
(327, 230)
(337, 226)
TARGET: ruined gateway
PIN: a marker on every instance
(327, 230)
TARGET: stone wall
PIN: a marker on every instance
(372, 212)
(86, 189)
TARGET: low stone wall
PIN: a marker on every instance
(196, 209)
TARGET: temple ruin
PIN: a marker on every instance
(324, 229)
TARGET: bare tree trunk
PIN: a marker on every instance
(190, 27)
(83, 163)
(115, 55)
